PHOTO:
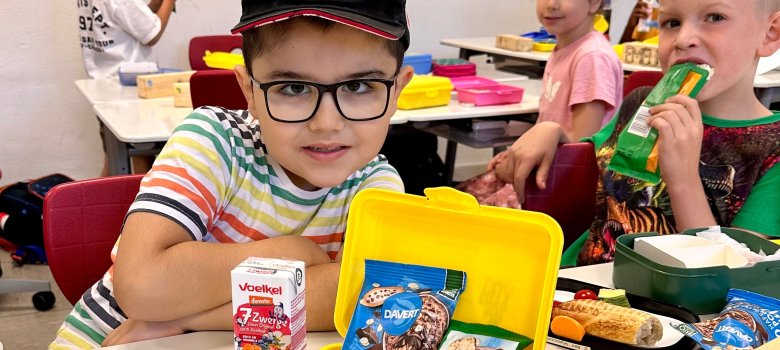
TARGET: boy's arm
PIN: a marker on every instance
(320, 305)
(586, 119)
(163, 10)
(680, 129)
(161, 274)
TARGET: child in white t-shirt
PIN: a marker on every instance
(116, 31)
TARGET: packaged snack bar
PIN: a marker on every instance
(636, 153)
(269, 310)
(471, 336)
(403, 306)
(748, 321)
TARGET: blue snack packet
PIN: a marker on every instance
(748, 321)
(403, 306)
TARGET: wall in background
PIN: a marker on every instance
(46, 125)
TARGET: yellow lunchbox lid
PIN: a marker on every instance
(222, 60)
(510, 256)
(421, 83)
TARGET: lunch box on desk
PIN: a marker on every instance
(702, 290)
(453, 67)
(491, 95)
(473, 81)
(420, 62)
(425, 91)
(510, 256)
(222, 60)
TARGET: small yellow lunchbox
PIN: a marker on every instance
(425, 91)
(510, 256)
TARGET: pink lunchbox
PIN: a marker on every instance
(491, 95)
(453, 67)
(470, 82)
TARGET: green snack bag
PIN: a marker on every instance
(636, 153)
(462, 335)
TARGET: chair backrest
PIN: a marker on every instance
(213, 43)
(216, 88)
(570, 196)
(641, 78)
(81, 222)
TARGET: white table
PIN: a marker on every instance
(766, 86)
(216, 341)
(136, 128)
(106, 90)
(477, 46)
(595, 274)
(440, 121)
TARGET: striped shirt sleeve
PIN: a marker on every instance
(188, 181)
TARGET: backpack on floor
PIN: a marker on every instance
(21, 223)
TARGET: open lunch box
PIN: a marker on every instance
(702, 289)
(510, 257)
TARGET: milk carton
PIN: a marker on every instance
(268, 304)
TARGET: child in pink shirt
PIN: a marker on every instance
(581, 88)
(583, 79)
(582, 85)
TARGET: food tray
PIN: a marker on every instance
(640, 303)
(510, 256)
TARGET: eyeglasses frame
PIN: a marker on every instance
(322, 89)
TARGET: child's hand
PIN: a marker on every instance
(641, 10)
(679, 126)
(534, 150)
(132, 331)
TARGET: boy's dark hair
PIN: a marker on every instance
(258, 40)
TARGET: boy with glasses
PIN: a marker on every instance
(321, 80)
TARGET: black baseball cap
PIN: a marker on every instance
(385, 18)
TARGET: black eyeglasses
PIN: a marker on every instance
(291, 101)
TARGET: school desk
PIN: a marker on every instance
(137, 127)
(444, 122)
(595, 274)
(766, 86)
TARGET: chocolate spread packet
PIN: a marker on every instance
(403, 306)
(469, 336)
(748, 321)
(636, 153)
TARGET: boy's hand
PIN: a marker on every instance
(133, 331)
(679, 126)
(534, 150)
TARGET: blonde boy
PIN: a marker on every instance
(321, 82)
(718, 154)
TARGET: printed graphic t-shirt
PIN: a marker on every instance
(115, 31)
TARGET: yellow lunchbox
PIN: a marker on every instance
(510, 256)
(425, 91)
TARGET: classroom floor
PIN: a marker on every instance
(21, 325)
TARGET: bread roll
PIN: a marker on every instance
(612, 322)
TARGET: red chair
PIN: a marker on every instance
(213, 43)
(641, 78)
(216, 88)
(570, 196)
(81, 222)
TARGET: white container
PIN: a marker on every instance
(269, 303)
(686, 251)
